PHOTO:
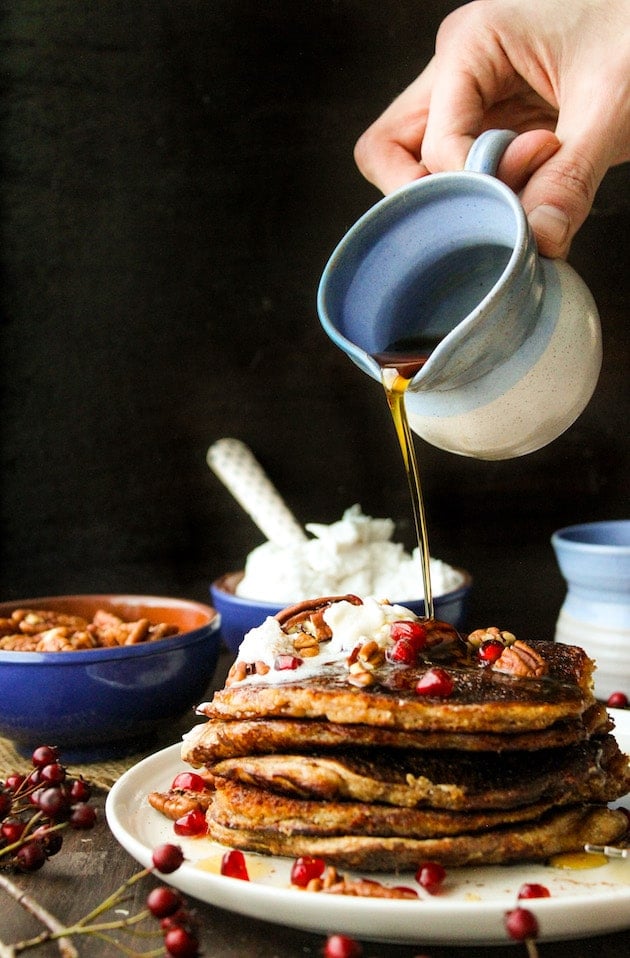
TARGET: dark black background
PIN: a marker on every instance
(173, 178)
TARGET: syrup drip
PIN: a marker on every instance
(397, 371)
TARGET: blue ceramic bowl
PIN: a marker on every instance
(100, 703)
(239, 615)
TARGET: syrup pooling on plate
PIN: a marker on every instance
(397, 371)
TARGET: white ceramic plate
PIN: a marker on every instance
(469, 910)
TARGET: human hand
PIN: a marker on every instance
(556, 73)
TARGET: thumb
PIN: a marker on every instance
(559, 195)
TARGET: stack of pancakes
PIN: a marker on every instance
(337, 754)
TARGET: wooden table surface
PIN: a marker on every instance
(91, 865)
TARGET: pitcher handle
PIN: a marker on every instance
(487, 150)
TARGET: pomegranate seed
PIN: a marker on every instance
(233, 865)
(190, 781)
(192, 823)
(533, 890)
(167, 858)
(284, 662)
(490, 650)
(521, 924)
(340, 946)
(181, 943)
(403, 652)
(163, 901)
(435, 682)
(305, 868)
(618, 700)
(430, 876)
(413, 632)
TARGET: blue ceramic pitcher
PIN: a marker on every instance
(450, 261)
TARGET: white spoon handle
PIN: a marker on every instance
(241, 473)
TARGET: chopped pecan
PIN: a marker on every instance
(479, 636)
(332, 883)
(521, 660)
(371, 655)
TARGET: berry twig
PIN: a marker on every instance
(176, 923)
(66, 948)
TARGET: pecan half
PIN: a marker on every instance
(308, 616)
(521, 660)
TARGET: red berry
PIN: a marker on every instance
(618, 700)
(435, 682)
(11, 829)
(190, 781)
(181, 942)
(430, 876)
(50, 841)
(521, 924)
(179, 918)
(30, 857)
(413, 632)
(490, 650)
(51, 801)
(79, 790)
(163, 901)
(533, 890)
(340, 946)
(82, 816)
(284, 662)
(44, 755)
(54, 773)
(305, 868)
(233, 865)
(167, 858)
(14, 782)
(192, 823)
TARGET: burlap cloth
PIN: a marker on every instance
(101, 774)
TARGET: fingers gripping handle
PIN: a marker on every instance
(486, 152)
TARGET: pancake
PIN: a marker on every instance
(483, 699)
(554, 832)
(216, 739)
(246, 807)
(592, 771)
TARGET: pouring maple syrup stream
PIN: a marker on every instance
(398, 368)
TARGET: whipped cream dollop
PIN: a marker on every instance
(355, 554)
(351, 626)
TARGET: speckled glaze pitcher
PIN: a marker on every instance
(450, 260)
